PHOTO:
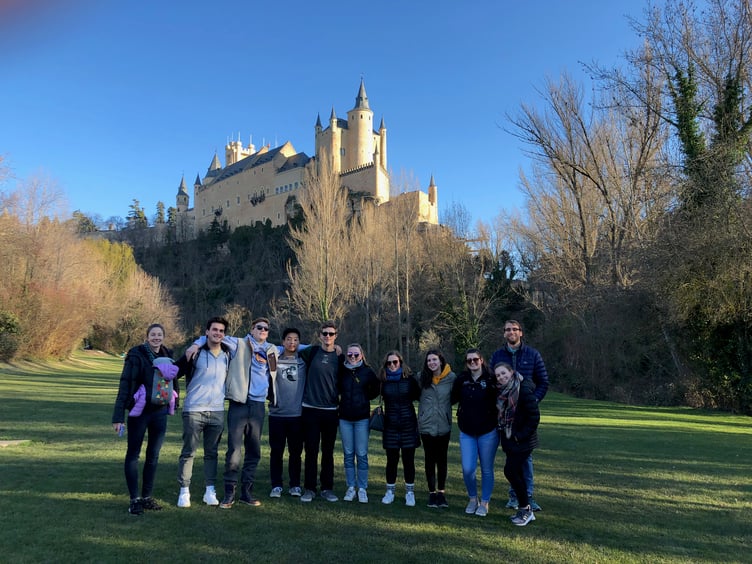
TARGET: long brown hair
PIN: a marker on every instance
(406, 373)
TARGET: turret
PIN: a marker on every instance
(360, 139)
(181, 200)
(382, 144)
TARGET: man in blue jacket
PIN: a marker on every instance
(528, 362)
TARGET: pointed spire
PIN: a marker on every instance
(431, 182)
(198, 180)
(382, 125)
(182, 189)
(361, 100)
(318, 120)
(333, 116)
(215, 165)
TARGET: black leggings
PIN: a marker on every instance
(514, 472)
(435, 450)
(408, 464)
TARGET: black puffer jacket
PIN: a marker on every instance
(137, 370)
(357, 387)
(400, 421)
(526, 418)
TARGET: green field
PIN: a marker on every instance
(617, 484)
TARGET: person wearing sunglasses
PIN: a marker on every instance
(475, 391)
(253, 365)
(400, 437)
(320, 419)
(358, 385)
(435, 422)
(527, 361)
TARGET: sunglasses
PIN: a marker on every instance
(261, 328)
(473, 360)
(328, 333)
(392, 362)
(353, 355)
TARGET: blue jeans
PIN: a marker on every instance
(354, 436)
(472, 448)
(155, 421)
(210, 424)
(245, 421)
(527, 470)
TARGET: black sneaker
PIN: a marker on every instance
(136, 508)
(150, 504)
(441, 500)
(523, 517)
(432, 501)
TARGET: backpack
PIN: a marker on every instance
(161, 388)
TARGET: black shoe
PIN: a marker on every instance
(432, 501)
(246, 496)
(441, 500)
(150, 504)
(229, 498)
(136, 508)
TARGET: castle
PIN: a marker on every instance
(262, 185)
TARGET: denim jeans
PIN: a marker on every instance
(319, 429)
(211, 425)
(155, 421)
(527, 471)
(354, 436)
(245, 421)
(287, 430)
(472, 448)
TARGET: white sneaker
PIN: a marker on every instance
(210, 496)
(276, 492)
(362, 496)
(184, 499)
(349, 494)
(472, 506)
(410, 499)
(388, 497)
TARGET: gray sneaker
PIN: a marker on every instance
(295, 491)
(472, 506)
(482, 510)
(523, 516)
(276, 492)
(328, 495)
(534, 506)
(512, 503)
(308, 496)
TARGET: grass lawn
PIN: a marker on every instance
(617, 484)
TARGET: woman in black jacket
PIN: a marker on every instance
(399, 390)
(138, 371)
(475, 391)
(358, 385)
(518, 431)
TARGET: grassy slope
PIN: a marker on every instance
(617, 484)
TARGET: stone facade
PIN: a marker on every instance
(260, 185)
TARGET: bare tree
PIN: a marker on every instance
(320, 287)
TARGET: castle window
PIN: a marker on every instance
(342, 152)
(228, 203)
(296, 185)
(238, 200)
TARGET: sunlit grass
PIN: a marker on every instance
(617, 483)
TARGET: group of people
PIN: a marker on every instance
(312, 392)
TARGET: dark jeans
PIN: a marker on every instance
(285, 430)
(514, 470)
(210, 424)
(408, 464)
(320, 428)
(155, 421)
(245, 421)
(435, 449)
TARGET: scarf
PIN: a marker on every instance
(356, 365)
(440, 377)
(506, 403)
(394, 376)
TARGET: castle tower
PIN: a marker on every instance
(382, 144)
(359, 148)
(181, 200)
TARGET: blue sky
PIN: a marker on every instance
(117, 100)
